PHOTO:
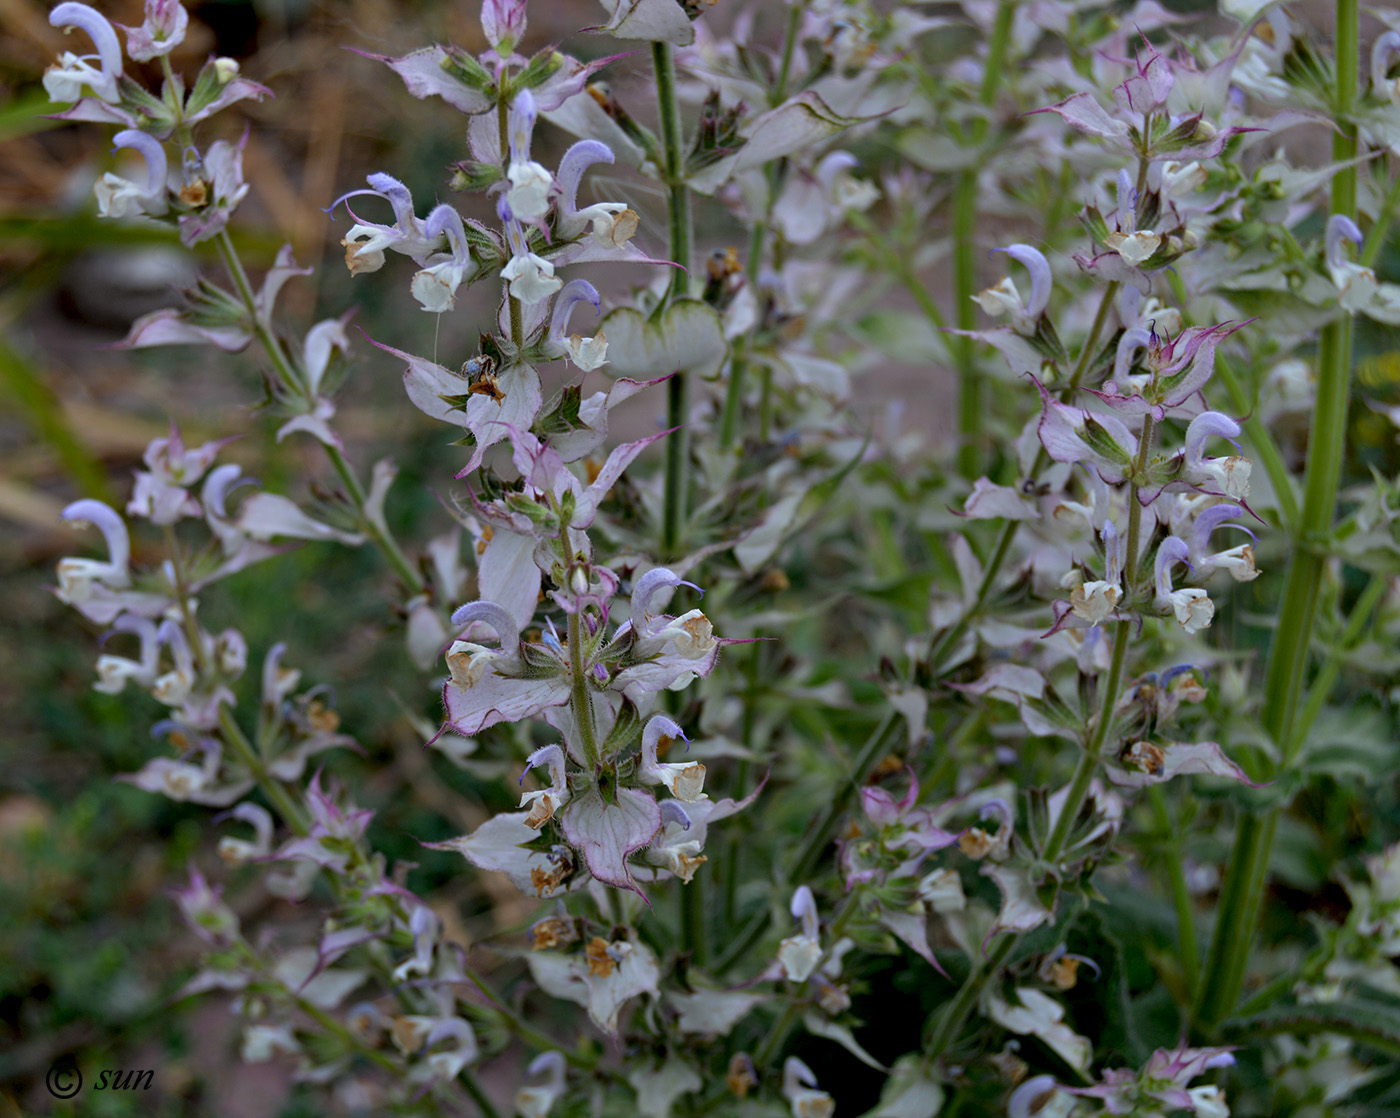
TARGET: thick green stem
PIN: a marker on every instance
(970, 425)
(288, 375)
(678, 217)
(1245, 879)
(580, 697)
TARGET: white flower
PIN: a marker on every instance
(692, 633)
(1000, 299)
(942, 891)
(531, 279)
(1094, 601)
(1134, 247)
(588, 353)
(528, 196)
(800, 954)
(262, 1043)
(469, 663)
(364, 249)
(799, 1088)
(1208, 1102)
(611, 224)
(435, 287)
(1193, 609)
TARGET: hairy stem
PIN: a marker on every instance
(970, 426)
(678, 217)
(273, 789)
(580, 699)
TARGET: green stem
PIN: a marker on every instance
(738, 363)
(233, 735)
(1086, 355)
(273, 789)
(337, 1029)
(287, 373)
(741, 782)
(579, 696)
(1181, 896)
(383, 540)
(678, 217)
(794, 24)
(820, 835)
(1243, 891)
(467, 1078)
(970, 425)
(692, 906)
(1376, 238)
(1269, 993)
(940, 650)
(1089, 760)
(950, 1023)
